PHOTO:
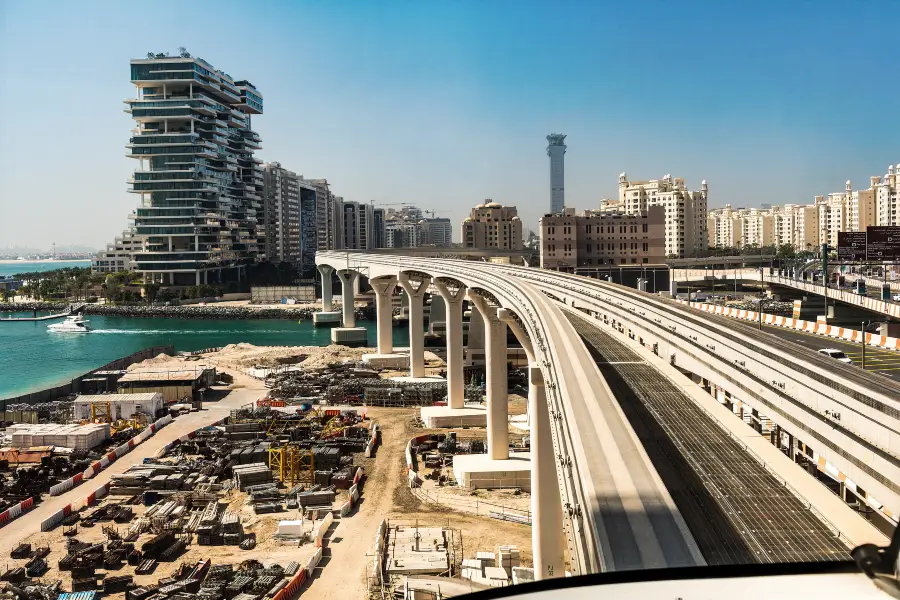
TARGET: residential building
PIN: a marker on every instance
(491, 225)
(724, 227)
(405, 228)
(833, 217)
(685, 211)
(597, 238)
(556, 150)
(200, 185)
(329, 214)
(440, 232)
(861, 209)
(756, 228)
(804, 234)
(281, 214)
(611, 205)
(887, 196)
(378, 234)
(118, 256)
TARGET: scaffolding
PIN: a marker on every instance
(101, 410)
(293, 464)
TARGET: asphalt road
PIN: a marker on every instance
(878, 360)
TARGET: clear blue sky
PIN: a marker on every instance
(444, 104)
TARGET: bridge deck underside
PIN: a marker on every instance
(737, 511)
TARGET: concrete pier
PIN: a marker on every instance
(415, 290)
(348, 334)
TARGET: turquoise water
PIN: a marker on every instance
(21, 266)
(33, 358)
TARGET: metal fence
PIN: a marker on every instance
(275, 294)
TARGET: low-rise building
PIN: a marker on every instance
(594, 238)
(118, 256)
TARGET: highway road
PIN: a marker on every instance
(878, 360)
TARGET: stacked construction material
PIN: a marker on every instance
(496, 577)
(244, 431)
(508, 557)
(472, 569)
(316, 497)
(326, 458)
(114, 585)
(342, 479)
(251, 474)
(232, 532)
(155, 546)
(78, 437)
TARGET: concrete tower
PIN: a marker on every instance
(556, 150)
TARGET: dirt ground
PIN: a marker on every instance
(386, 495)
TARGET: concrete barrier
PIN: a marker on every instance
(323, 528)
(313, 562)
(346, 508)
(844, 333)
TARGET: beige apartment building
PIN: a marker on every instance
(491, 225)
(684, 211)
(887, 196)
(596, 238)
(733, 228)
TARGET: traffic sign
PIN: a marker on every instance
(883, 243)
(852, 246)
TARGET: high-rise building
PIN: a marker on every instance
(686, 223)
(887, 196)
(329, 231)
(491, 225)
(200, 186)
(281, 214)
(556, 150)
(734, 228)
(598, 238)
(440, 231)
(289, 218)
(378, 236)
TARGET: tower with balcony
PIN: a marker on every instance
(200, 186)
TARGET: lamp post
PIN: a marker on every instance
(863, 340)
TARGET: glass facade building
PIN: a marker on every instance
(200, 185)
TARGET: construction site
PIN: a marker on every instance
(247, 506)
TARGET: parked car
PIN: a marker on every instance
(896, 297)
(836, 354)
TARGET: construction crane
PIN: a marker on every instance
(432, 212)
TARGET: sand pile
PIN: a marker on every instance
(242, 356)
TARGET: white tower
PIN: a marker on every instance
(556, 150)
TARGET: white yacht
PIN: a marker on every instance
(72, 324)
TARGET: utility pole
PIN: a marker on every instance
(759, 312)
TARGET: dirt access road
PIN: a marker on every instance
(386, 495)
(30, 523)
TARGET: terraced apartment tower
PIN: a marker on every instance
(200, 185)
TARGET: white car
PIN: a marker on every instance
(836, 354)
(896, 297)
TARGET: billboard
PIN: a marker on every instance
(852, 246)
(883, 243)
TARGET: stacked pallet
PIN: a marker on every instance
(317, 498)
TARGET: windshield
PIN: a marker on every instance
(423, 299)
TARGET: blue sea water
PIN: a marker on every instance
(33, 358)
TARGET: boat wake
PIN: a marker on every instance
(186, 331)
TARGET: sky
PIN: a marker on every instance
(444, 104)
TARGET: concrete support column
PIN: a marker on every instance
(197, 278)
(547, 543)
(384, 310)
(416, 323)
(348, 277)
(510, 319)
(453, 309)
(496, 380)
(326, 272)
